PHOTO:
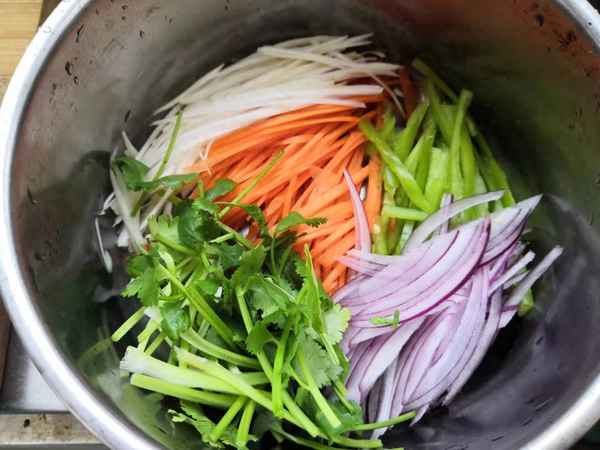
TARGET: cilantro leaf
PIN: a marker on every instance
(196, 226)
(350, 419)
(222, 187)
(145, 286)
(258, 337)
(202, 204)
(322, 368)
(194, 415)
(175, 319)
(294, 219)
(251, 263)
(134, 173)
(173, 182)
(336, 322)
(165, 230)
(267, 295)
(138, 264)
(207, 286)
(229, 255)
(257, 215)
(132, 170)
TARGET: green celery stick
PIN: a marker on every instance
(438, 175)
(456, 177)
(397, 167)
(434, 77)
(406, 139)
(491, 171)
(440, 117)
(480, 188)
(406, 233)
(389, 125)
(155, 344)
(399, 212)
(393, 234)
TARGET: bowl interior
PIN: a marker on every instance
(536, 78)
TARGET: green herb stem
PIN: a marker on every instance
(226, 419)
(385, 423)
(131, 322)
(182, 392)
(320, 400)
(263, 173)
(202, 306)
(243, 430)
(210, 349)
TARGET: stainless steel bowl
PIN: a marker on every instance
(97, 67)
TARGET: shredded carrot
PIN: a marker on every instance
(318, 142)
(374, 190)
(409, 91)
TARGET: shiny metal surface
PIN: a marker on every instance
(97, 67)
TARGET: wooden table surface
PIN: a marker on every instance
(18, 22)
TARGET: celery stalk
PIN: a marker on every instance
(438, 174)
(406, 139)
(456, 178)
(436, 79)
(399, 212)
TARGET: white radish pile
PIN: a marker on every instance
(274, 80)
(446, 298)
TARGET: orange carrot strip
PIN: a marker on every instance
(334, 194)
(374, 190)
(409, 91)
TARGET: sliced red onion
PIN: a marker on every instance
(349, 288)
(366, 334)
(413, 266)
(374, 400)
(437, 284)
(384, 406)
(448, 293)
(435, 383)
(387, 352)
(517, 295)
(363, 236)
(361, 266)
(515, 280)
(439, 374)
(436, 220)
(359, 364)
(514, 270)
(487, 337)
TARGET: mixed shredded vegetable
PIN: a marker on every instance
(322, 246)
